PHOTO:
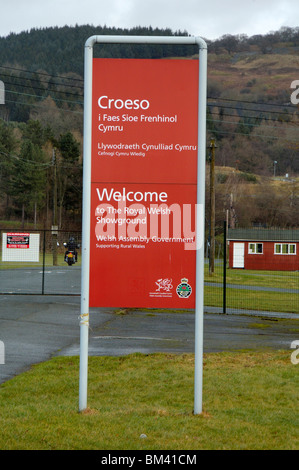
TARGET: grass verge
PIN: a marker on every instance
(252, 300)
(250, 402)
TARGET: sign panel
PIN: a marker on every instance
(143, 183)
(17, 240)
(18, 246)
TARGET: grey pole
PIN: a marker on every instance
(84, 316)
(2, 92)
(200, 226)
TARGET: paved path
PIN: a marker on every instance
(36, 328)
(31, 280)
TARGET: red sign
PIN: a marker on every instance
(17, 240)
(143, 183)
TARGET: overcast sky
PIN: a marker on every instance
(209, 19)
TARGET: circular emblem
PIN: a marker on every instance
(184, 289)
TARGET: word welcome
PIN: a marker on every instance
(138, 196)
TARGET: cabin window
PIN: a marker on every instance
(255, 248)
(285, 248)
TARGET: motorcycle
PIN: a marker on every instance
(70, 256)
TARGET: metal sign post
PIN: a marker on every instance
(201, 158)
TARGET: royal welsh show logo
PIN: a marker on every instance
(184, 289)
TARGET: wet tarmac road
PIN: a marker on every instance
(36, 328)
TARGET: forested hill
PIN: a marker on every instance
(249, 113)
(249, 82)
(61, 50)
(42, 70)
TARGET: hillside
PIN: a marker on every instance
(261, 77)
(249, 109)
(245, 199)
(250, 112)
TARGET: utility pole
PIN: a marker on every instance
(2, 92)
(212, 207)
(54, 226)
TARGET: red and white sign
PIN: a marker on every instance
(17, 240)
(143, 183)
(20, 247)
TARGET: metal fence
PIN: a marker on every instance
(254, 270)
(263, 270)
(32, 262)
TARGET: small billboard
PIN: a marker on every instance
(143, 183)
(21, 247)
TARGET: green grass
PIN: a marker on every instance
(278, 279)
(252, 300)
(250, 402)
